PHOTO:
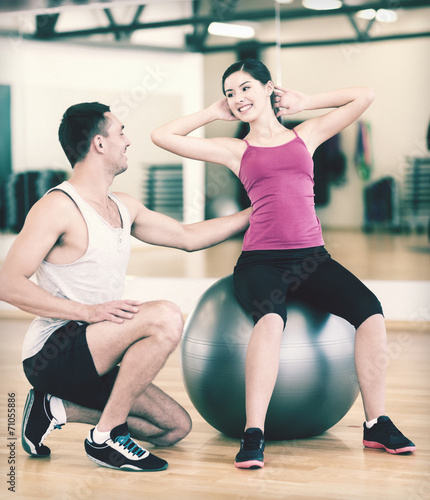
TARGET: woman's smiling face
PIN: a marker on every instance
(246, 96)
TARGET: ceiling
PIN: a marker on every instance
(182, 25)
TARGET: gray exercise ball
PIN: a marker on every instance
(316, 384)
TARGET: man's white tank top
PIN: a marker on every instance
(97, 277)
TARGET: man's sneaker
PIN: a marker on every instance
(384, 434)
(252, 445)
(37, 423)
(121, 452)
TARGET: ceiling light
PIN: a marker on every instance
(367, 14)
(322, 4)
(233, 30)
(285, 1)
(386, 16)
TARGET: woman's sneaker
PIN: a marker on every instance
(37, 423)
(252, 445)
(384, 434)
(121, 452)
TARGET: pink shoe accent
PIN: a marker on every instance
(250, 464)
(374, 444)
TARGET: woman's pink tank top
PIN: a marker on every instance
(280, 184)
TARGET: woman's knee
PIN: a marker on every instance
(374, 322)
(271, 322)
(367, 309)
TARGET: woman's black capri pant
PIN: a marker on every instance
(264, 278)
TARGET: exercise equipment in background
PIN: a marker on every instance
(20, 192)
(163, 190)
(363, 151)
(381, 206)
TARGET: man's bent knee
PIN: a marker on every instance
(181, 430)
(168, 321)
(171, 313)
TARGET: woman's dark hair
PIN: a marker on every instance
(253, 67)
(78, 127)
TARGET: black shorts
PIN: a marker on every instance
(264, 278)
(65, 368)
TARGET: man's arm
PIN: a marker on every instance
(39, 235)
(158, 229)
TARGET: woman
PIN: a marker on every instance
(275, 166)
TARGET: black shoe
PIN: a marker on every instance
(252, 445)
(384, 434)
(121, 452)
(37, 423)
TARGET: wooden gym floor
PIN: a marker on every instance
(331, 466)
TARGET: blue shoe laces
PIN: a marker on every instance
(130, 445)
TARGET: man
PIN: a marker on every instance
(89, 355)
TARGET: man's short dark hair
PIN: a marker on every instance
(80, 124)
